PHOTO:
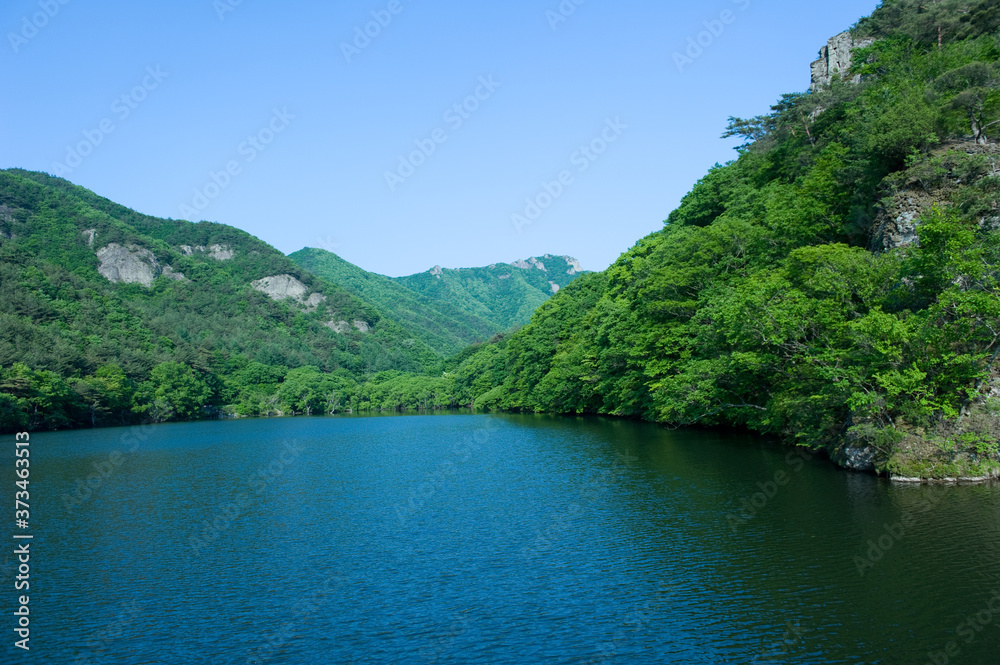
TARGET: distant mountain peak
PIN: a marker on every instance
(533, 263)
(529, 264)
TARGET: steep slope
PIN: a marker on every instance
(837, 286)
(451, 309)
(443, 326)
(504, 294)
(95, 297)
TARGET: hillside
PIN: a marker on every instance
(107, 315)
(451, 309)
(836, 286)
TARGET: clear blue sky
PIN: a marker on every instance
(223, 69)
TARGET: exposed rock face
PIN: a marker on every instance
(345, 327)
(7, 216)
(437, 271)
(917, 190)
(170, 273)
(89, 235)
(858, 457)
(314, 301)
(530, 264)
(284, 287)
(128, 265)
(280, 287)
(555, 287)
(217, 252)
(835, 58)
(896, 225)
(574, 266)
(339, 326)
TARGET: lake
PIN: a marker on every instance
(491, 539)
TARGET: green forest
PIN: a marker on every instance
(451, 309)
(198, 340)
(835, 286)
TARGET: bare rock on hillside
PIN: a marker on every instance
(128, 264)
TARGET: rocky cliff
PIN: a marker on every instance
(835, 58)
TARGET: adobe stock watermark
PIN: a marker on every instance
(363, 35)
(31, 26)
(559, 523)
(583, 158)
(329, 243)
(249, 150)
(304, 611)
(122, 108)
(421, 492)
(750, 506)
(892, 534)
(781, 650)
(637, 619)
(257, 484)
(562, 13)
(443, 643)
(455, 117)
(706, 38)
(223, 7)
(98, 642)
(105, 469)
(968, 630)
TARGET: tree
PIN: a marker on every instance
(174, 390)
(974, 87)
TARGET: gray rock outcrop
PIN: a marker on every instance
(339, 326)
(835, 58)
(128, 265)
(89, 235)
(918, 189)
(530, 264)
(343, 327)
(217, 252)
(172, 274)
(287, 287)
(897, 222)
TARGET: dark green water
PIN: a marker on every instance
(491, 539)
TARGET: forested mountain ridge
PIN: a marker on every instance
(107, 315)
(836, 286)
(451, 309)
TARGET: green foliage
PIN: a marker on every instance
(760, 305)
(454, 309)
(174, 391)
(76, 349)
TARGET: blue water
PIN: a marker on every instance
(490, 539)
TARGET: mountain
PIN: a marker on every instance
(451, 309)
(107, 315)
(837, 286)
